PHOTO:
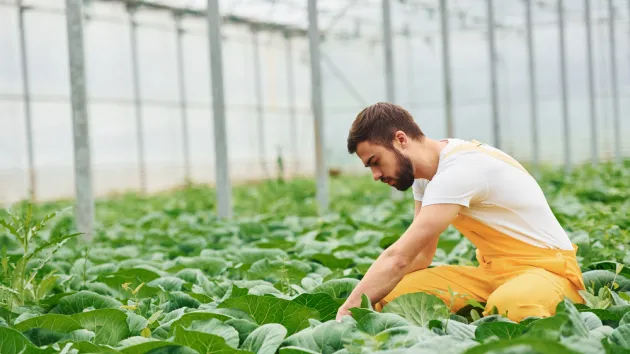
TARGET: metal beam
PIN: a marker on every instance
(183, 106)
(137, 99)
(533, 96)
(317, 107)
(223, 189)
(446, 70)
(614, 82)
(564, 84)
(260, 109)
(292, 103)
(26, 91)
(226, 19)
(80, 126)
(390, 83)
(496, 128)
(390, 93)
(591, 83)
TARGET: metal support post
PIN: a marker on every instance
(446, 70)
(533, 97)
(496, 128)
(26, 91)
(260, 113)
(182, 96)
(563, 79)
(292, 103)
(137, 99)
(388, 48)
(591, 83)
(80, 126)
(224, 188)
(389, 65)
(614, 82)
(317, 107)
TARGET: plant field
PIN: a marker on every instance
(164, 275)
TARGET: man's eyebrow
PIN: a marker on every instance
(367, 164)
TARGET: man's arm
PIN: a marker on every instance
(398, 260)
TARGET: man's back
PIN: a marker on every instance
(495, 193)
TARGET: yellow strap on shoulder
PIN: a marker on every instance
(475, 145)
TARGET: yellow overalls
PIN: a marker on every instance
(521, 280)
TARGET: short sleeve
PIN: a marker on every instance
(418, 187)
(456, 185)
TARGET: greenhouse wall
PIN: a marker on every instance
(353, 77)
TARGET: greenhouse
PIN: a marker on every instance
(160, 196)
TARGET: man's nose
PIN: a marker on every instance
(376, 174)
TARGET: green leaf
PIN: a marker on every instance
(187, 319)
(178, 299)
(501, 330)
(621, 336)
(297, 350)
(109, 325)
(216, 327)
(365, 302)
(418, 308)
(604, 278)
(323, 303)
(52, 322)
(14, 342)
(263, 309)
(325, 338)
(591, 320)
(521, 345)
(337, 288)
(82, 300)
(265, 339)
(243, 327)
(625, 320)
(374, 323)
(136, 324)
(458, 329)
(150, 346)
(204, 342)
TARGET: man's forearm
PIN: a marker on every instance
(381, 278)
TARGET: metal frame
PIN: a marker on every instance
(317, 107)
(591, 83)
(446, 70)
(533, 96)
(496, 127)
(80, 124)
(564, 89)
(224, 187)
(181, 79)
(26, 91)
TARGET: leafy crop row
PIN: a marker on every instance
(164, 275)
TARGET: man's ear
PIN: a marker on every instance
(400, 138)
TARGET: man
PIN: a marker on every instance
(527, 264)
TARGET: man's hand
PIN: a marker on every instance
(401, 257)
(351, 302)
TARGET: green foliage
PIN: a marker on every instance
(165, 275)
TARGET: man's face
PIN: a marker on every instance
(388, 165)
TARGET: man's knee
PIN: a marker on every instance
(433, 281)
(529, 295)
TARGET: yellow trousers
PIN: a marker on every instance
(519, 279)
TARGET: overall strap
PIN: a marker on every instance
(475, 145)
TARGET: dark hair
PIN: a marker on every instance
(379, 122)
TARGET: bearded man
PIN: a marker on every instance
(527, 263)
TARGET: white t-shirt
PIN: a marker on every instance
(494, 192)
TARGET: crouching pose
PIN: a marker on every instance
(527, 264)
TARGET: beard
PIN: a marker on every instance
(404, 172)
